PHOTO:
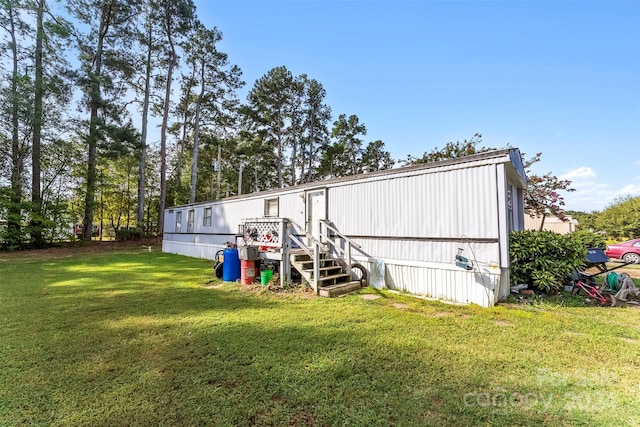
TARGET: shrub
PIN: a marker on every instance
(589, 239)
(544, 259)
(128, 234)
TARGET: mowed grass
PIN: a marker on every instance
(137, 338)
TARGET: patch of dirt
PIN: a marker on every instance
(370, 297)
(295, 290)
(502, 323)
(442, 314)
(400, 305)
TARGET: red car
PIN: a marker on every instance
(628, 251)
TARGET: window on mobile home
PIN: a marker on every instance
(271, 207)
(190, 221)
(207, 217)
(178, 221)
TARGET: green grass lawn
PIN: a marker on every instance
(136, 338)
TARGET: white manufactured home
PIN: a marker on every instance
(405, 226)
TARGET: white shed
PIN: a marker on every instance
(404, 225)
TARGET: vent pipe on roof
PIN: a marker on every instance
(366, 169)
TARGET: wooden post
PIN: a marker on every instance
(285, 250)
(316, 266)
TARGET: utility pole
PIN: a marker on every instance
(240, 178)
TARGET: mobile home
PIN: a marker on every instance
(407, 226)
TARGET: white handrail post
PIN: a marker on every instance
(316, 266)
(349, 257)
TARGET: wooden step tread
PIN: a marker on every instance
(305, 256)
(323, 262)
(329, 268)
(340, 289)
(334, 277)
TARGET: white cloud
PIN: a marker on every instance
(588, 198)
(594, 193)
(579, 173)
(589, 195)
(632, 190)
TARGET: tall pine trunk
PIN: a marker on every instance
(165, 124)
(36, 195)
(95, 99)
(183, 141)
(279, 152)
(196, 136)
(17, 163)
(145, 124)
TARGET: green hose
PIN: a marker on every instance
(612, 281)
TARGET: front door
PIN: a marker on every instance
(316, 210)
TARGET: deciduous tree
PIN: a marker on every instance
(542, 195)
(621, 219)
(452, 150)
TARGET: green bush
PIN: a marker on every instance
(128, 234)
(544, 259)
(589, 239)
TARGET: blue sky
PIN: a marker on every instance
(557, 77)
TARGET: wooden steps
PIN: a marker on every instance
(333, 280)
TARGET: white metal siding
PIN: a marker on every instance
(428, 251)
(292, 206)
(226, 216)
(448, 204)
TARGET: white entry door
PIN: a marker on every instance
(316, 210)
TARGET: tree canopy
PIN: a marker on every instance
(79, 156)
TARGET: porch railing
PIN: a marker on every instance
(340, 243)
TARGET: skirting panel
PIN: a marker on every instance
(194, 250)
(481, 286)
